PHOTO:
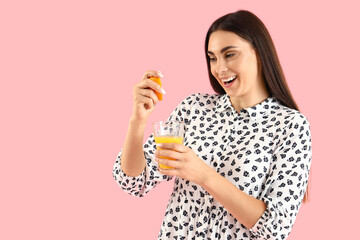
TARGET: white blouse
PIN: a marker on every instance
(263, 150)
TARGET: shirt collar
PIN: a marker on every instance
(223, 104)
(254, 112)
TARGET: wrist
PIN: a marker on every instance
(207, 177)
(137, 121)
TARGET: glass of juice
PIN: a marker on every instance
(168, 132)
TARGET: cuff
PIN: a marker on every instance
(259, 228)
(131, 185)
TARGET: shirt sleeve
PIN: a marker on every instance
(286, 185)
(140, 185)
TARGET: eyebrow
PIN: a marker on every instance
(222, 50)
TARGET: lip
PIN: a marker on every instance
(230, 84)
(224, 78)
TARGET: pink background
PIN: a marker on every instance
(67, 69)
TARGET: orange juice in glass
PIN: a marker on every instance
(168, 132)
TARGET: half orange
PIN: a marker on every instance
(158, 81)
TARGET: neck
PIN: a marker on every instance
(249, 100)
(239, 104)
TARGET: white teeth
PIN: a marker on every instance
(228, 79)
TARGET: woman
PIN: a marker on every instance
(243, 169)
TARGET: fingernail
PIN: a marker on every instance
(159, 145)
(160, 74)
(162, 91)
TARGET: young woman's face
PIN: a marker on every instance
(234, 64)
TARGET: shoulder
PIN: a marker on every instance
(196, 103)
(289, 118)
(201, 99)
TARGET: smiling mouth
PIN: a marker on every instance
(229, 80)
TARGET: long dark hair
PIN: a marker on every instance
(249, 27)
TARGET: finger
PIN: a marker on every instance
(148, 102)
(172, 146)
(152, 73)
(147, 83)
(142, 90)
(169, 172)
(168, 154)
(149, 94)
(168, 162)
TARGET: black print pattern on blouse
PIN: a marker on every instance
(264, 150)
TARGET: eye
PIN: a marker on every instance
(212, 59)
(229, 55)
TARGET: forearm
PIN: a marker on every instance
(132, 158)
(246, 209)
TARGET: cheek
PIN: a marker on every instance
(253, 70)
(247, 70)
(252, 66)
(212, 70)
(238, 68)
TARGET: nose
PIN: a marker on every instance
(221, 67)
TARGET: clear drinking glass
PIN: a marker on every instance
(168, 132)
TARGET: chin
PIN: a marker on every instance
(234, 94)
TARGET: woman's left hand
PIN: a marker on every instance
(187, 164)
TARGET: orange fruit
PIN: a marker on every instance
(158, 81)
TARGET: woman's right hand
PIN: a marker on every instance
(144, 96)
